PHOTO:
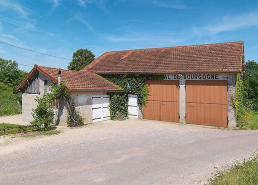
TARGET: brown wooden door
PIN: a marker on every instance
(207, 102)
(163, 101)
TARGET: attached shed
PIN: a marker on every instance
(88, 90)
(199, 80)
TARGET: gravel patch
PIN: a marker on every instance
(13, 119)
(124, 152)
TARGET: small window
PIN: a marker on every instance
(45, 82)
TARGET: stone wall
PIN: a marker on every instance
(231, 92)
(28, 103)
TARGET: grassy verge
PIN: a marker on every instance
(18, 128)
(240, 174)
(254, 121)
(27, 131)
(41, 133)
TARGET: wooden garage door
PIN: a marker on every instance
(207, 103)
(163, 101)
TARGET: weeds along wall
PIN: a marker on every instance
(242, 113)
(131, 84)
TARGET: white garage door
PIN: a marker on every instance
(100, 108)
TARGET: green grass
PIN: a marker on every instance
(254, 121)
(41, 133)
(29, 132)
(240, 174)
(14, 130)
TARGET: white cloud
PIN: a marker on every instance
(170, 5)
(84, 3)
(55, 3)
(20, 24)
(10, 5)
(230, 23)
(146, 39)
(158, 3)
(10, 39)
(81, 18)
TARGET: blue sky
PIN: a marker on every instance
(60, 27)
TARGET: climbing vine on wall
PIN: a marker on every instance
(60, 92)
(44, 114)
(131, 84)
(242, 113)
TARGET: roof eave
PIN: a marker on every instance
(95, 90)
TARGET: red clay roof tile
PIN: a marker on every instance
(74, 80)
(221, 57)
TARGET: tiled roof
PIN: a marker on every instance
(74, 80)
(221, 57)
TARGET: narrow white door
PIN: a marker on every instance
(132, 106)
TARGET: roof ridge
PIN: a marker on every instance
(55, 68)
(175, 46)
(94, 62)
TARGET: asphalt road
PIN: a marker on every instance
(123, 152)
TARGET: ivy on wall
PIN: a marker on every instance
(131, 84)
(44, 115)
(242, 113)
(60, 92)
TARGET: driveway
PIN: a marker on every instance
(123, 152)
(13, 119)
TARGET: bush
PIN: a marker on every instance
(9, 101)
(43, 115)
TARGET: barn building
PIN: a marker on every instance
(199, 81)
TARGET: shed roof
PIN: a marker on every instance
(74, 80)
(220, 57)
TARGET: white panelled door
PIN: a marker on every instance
(132, 106)
(100, 108)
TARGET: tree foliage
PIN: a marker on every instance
(81, 58)
(5, 88)
(251, 84)
(10, 74)
(10, 77)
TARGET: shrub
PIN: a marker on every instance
(43, 115)
(9, 101)
(243, 113)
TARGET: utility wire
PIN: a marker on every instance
(34, 51)
(24, 65)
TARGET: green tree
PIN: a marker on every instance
(81, 58)
(10, 75)
(5, 88)
(251, 83)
